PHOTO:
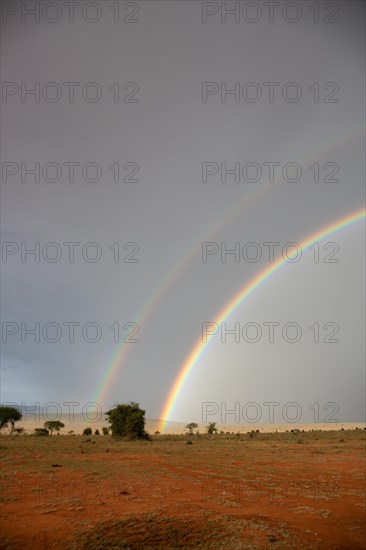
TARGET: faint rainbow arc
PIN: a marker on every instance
(238, 298)
(149, 305)
(153, 300)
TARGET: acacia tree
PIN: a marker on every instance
(8, 417)
(127, 420)
(191, 426)
(53, 425)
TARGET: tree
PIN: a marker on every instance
(8, 416)
(53, 425)
(87, 431)
(191, 426)
(127, 420)
(211, 428)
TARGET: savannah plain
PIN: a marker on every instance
(291, 490)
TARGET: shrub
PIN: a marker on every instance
(41, 432)
(53, 425)
(127, 420)
(87, 431)
(105, 430)
(96, 432)
(19, 430)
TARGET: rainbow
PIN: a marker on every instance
(236, 300)
(147, 308)
(167, 282)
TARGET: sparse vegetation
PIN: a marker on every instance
(119, 491)
(87, 431)
(53, 425)
(8, 417)
(19, 430)
(127, 420)
(153, 531)
(41, 432)
(191, 427)
(211, 428)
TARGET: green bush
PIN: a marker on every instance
(127, 420)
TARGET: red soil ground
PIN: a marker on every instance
(279, 491)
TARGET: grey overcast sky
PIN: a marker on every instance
(152, 101)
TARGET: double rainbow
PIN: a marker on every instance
(148, 307)
(114, 365)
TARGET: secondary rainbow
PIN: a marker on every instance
(244, 293)
(147, 308)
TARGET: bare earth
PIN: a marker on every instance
(279, 491)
